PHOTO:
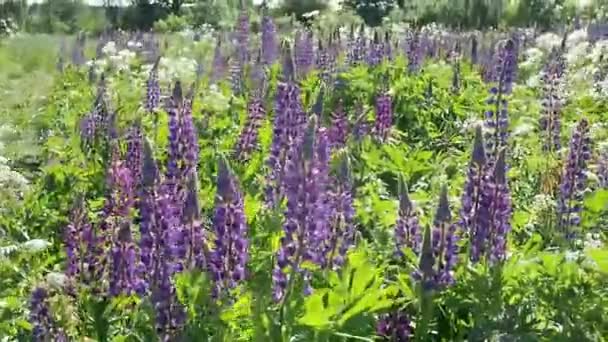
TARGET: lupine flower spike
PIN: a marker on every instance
(574, 179)
(407, 229)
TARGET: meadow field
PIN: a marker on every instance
(307, 183)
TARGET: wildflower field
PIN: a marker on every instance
(309, 184)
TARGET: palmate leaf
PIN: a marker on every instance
(355, 290)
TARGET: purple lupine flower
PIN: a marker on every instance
(306, 219)
(123, 275)
(269, 41)
(322, 62)
(169, 313)
(133, 159)
(44, 327)
(229, 258)
(602, 168)
(235, 70)
(288, 125)
(341, 220)
(407, 229)
(395, 326)
(492, 222)
(550, 121)
(574, 179)
(439, 249)
(248, 139)
(496, 118)
(413, 50)
(356, 51)
(152, 101)
(76, 243)
(78, 57)
(258, 78)
(242, 38)
(149, 238)
(304, 52)
(195, 233)
(218, 69)
(338, 132)
(384, 116)
(471, 194)
(501, 211)
(375, 53)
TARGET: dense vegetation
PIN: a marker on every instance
(307, 184)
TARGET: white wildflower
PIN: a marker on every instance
(547, 41)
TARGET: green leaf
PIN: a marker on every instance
(600, 256)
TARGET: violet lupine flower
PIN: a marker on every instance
(341, 220)
(152, 102)
(602, 168)
(242, 38)
(236, 70)
(395, 326)
(78, 57)
(133, 159)
(270, 51)
(306, 218)
(550, 121)
(218, 69)
(493, 215)
(197, 251)
(375, 54)
(248, 140)
(338, 132)
(473, 186)
(44, 327)
(229, 258)
(407, 229)
(357, 48)
(384, 116)
(79, 243)
(574, 179)
(169, 313)
(123, 275)
(413, 50)
(438, 253)
(149, 241)
(288, 125)
(304, 53)
(257, 78)
(501, 211)
(496, 118)
(322, 61)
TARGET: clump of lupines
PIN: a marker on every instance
(384, 115)
(395, 326)
(550, 121)
(43, 325)
(338, 132)
(496, 117)
(407, 229)
(269, 41)
(152, 101)
(306, 217)
(341, 220)
(574, 179)
(230, 255)
(289, 121)
(439, 250)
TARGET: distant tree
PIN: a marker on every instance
(372, 11)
